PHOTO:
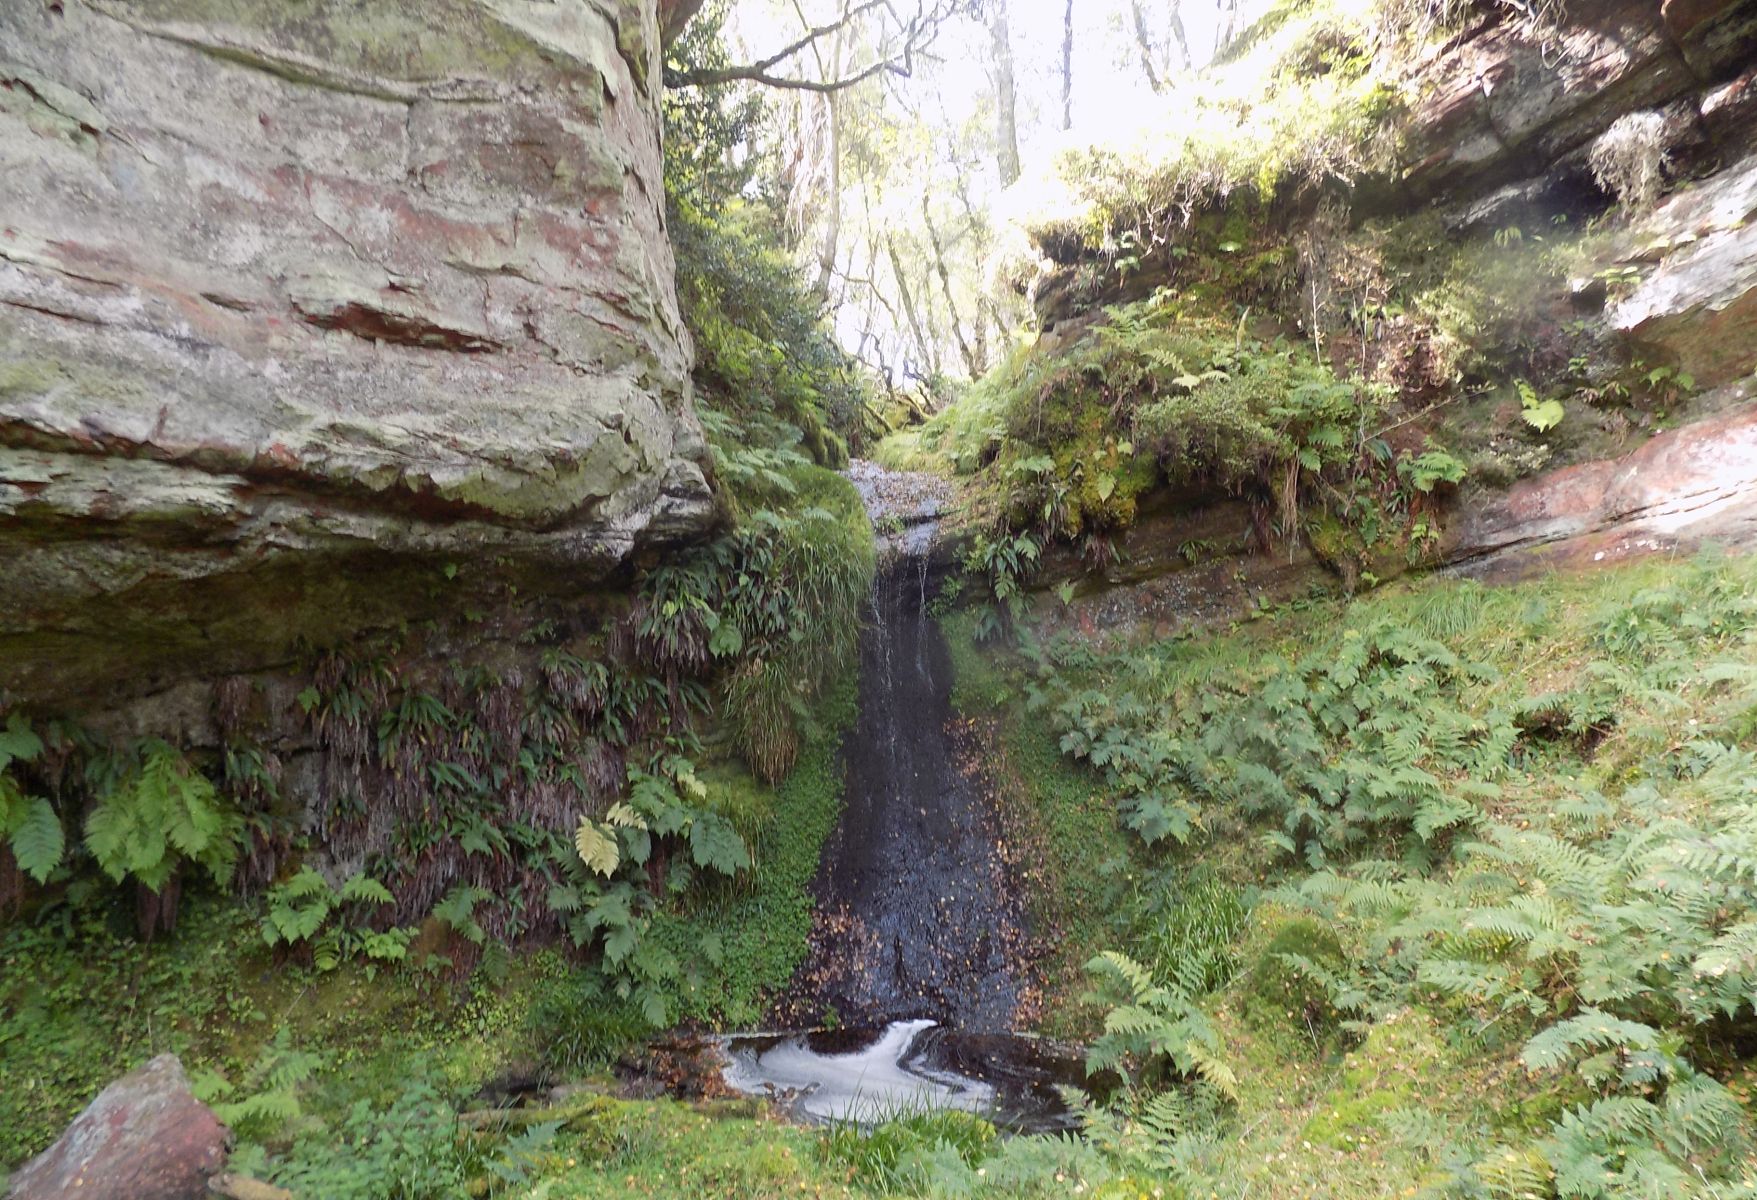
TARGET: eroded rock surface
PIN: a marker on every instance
(1496, 105)
(1697, 307)
(145, 1137)
(285, 284)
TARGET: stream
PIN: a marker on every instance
(916, 960)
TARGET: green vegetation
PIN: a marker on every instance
(643, 782)
(1160, 396)
(1489, 841)
(1437, 890)
(1308, 96)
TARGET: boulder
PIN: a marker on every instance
(144, 1138)
(281, 285)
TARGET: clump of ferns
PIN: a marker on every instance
(674, 612)
(342, 703)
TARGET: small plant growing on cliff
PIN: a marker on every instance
(1629, 159)
(1005, 562)
(300, 911)
(29, 826)
(1542, 415)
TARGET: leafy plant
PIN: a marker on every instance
(155, 814)
(306, 910)
(267, 1099)
(1542, 415)
(29, 826)
(409, 1150)
(1154, 1028)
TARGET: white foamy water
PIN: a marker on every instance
(863, 1083)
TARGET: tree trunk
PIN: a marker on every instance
(903, 293)
(972, 359)
(1228, 29)
(1068, 66)
(1144, 42)
(1179, 36)
(1006, 109)
(830, 243)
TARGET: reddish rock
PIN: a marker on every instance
(1681, 489)
(144, 1138)
(1729, 113)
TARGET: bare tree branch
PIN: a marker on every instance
(814, 34)
(918, 33)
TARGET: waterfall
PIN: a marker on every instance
(929, 926)
(916, 959)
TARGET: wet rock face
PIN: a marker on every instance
(919, 911)
(280, 284)
(144, 1138)
(1676, 492)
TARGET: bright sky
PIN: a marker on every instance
(1107, 73)
(1111, 95)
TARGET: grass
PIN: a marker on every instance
(80, 1006)
(1332, 1100)
(670, 1150)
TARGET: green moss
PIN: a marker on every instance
(23, 378)
(1301, 101)
(1078, 867)
(1282, 995)
(1392, 1069)
(761, 922)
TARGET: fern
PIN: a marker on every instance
(269, 1103)
(1154, 1022)
(29, 825)
(160, 814)
(1591, 1030)
(305, 911)
(596, 848)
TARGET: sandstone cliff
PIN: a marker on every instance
(303, 305)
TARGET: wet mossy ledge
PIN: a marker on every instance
(1303, 344)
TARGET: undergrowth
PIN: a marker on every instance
(1510, 826)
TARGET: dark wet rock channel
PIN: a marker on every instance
(919, 958)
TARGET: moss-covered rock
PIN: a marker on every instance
(1285, 992)
(394, 280)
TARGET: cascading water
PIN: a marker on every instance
(921, 933)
